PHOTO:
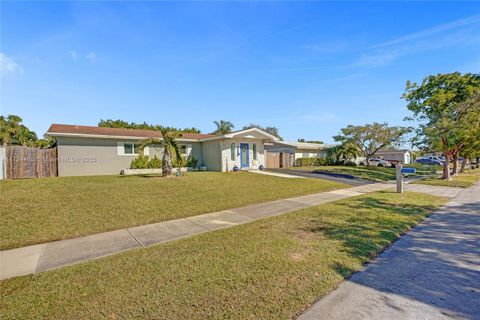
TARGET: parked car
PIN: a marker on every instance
(377, 162)
(430, 162)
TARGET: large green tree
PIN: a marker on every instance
(109, 123)
(271, 130)
(470, 109)
(223, 127)
(441, 106)
(12, 131)
(370, 138)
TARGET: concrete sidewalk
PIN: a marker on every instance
(433, 272)
(42, 257)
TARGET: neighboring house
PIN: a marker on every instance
(87, 150)
(300, 149)
(283, 154)
(403, 156)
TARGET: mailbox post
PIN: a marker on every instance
(399, 176)
(399, 173)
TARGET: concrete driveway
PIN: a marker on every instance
(433, 272)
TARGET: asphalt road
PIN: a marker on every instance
(337, 177)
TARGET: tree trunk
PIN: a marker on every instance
(367, 162)
(446, 167)
(455, 164)
(464, 163)
(166, 163)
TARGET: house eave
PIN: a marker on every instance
(101, 136)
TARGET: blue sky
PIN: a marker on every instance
(308, 68)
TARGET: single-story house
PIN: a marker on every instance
(88, 150)
(403, 156)
(300, 149)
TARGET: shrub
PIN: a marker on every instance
(192, 162)
(350, 164)
(179, 163)
(310, 162)
(139, 163)
(155, 162)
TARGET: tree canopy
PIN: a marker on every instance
(109, 123)
(370, 138)
(446, 107)
(270, 130)
(14, 132)
(310, 141)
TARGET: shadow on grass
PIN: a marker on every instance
(437, 263)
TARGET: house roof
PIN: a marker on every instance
(76, 130)
(305, 145)
(392, 151)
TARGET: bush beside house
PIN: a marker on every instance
(145, 162)
(325, 161)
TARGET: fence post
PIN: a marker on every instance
(399, 175)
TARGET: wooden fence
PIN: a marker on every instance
(27, 162)
(280, 160)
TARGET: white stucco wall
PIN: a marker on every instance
(228, 164)
(309, 154)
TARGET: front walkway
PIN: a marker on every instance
(42, 257)
(433, 272)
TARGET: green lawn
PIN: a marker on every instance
(41, 210)
(268, 269)
(463, 180)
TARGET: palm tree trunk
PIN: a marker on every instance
(166, 163)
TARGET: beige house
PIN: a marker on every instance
(88, 150)
(396, 156)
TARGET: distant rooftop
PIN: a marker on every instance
(305, 145)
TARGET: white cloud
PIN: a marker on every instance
(73, 54)
(431, 31)
(92, 56)
(8, 65)
(448, 35)
(376, 60)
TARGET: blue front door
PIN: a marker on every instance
(244, 155)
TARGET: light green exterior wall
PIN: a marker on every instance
(87, 156)
(98, 156)
(211, 155)
(81, 156)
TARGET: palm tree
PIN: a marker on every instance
(170, 147)
(223, 127)
(343, 152)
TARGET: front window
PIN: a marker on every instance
(131, 148)
(183, 150)
(254, 151)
